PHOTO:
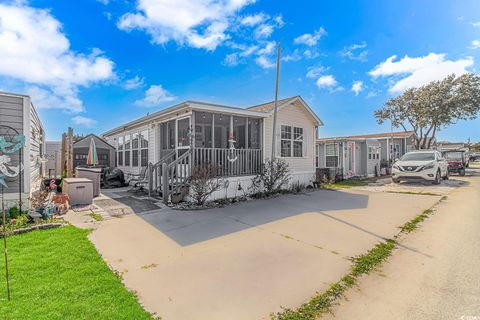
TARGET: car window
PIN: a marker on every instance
(418, 156)
(456, 155)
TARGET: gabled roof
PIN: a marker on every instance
(269, 107)
(91, 135)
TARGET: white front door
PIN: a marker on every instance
(183, 136)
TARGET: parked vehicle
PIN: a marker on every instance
(457, 161)
(424, 165)
(474, 156)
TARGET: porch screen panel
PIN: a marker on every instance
(253, 133)
(221, 130)
(171, 134)
(183, 132)
(203, 129)
(239, 132)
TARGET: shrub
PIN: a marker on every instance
(274, 176)
(203, 182)
(13, 212)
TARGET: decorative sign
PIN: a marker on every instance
(7, 169)
(232, 157)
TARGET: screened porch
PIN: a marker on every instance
(231, 143)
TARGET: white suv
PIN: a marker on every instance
(422, 165)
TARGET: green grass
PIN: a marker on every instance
(345, 184)
(96, 216)
(58, 274)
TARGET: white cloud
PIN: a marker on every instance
(35, 51)
(199, 24)
(268, 49)
(104, 2)
(355, 52)
(327, 81)
(231, 60)
(134, 83)
(264, 31)
(84, 121)
(253, 20)
(310, 39)
(315, 72)
(475, 44)
(413, 72)
(264, 62)
(476, 24)
(357, 87)
(154, 96)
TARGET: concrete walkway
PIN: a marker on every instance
(246, 261)
(441, 283)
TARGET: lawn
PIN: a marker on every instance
(58, 274)
(349, 183)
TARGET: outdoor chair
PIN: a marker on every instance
(139, 181)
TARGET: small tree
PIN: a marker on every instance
(203, 182)
(431, 107)
(275, 175)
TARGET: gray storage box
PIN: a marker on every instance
(79, 190)
(94, 174)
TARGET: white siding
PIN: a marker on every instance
(293, 115)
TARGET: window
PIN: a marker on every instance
(127, 147)
(103, 157)
(120, 152)
(370, 153)
(298, 142)
(286, 141)
(291, 141)
(171, 134)
(332, 151)
(135, 144)
(144, 148)
(317, 154)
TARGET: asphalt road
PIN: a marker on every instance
(437, 273)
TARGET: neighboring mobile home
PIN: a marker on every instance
(349, 157)
(197, 133)
(105, 151)
(18, 115)
(393, 144)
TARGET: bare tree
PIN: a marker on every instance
(275, 175)
(203, 182)
(434, 106)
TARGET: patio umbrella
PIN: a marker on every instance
(92, 158)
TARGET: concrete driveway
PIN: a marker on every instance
(248, 260)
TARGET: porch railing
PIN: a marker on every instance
(176, 174)
(155, 172)
(228, 162)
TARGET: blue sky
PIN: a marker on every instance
(95, 64)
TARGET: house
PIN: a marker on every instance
(18, 116)
(236, 140)
(349, 157)
(105, 152)
(393, 144)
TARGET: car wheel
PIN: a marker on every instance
(437, 178)
(462, 172)
(396, 181)
(447, 175)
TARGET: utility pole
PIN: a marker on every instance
(275, 106)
